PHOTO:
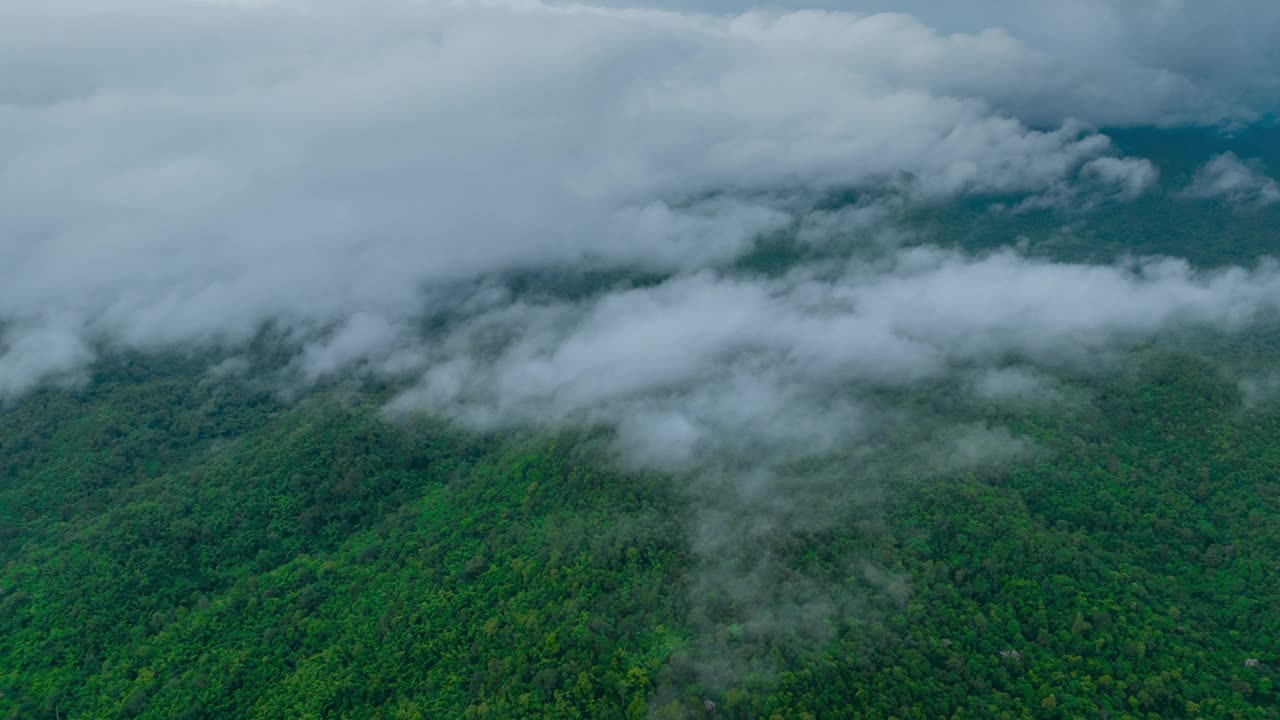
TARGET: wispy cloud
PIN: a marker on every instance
(1239, 182)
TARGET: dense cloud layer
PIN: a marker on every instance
(233, 166)
(179, 174)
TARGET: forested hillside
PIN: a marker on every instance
(176, 547)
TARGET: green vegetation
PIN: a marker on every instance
(180, 547)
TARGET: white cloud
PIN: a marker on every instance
(1015, 386)
(46, 352)
(364, 341)
(708, 366)
(1259, 389)
(337, 171)
(1130, 177)
(1120, 62)
(181, 173)
(1239, 182)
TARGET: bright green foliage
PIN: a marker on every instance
(1134, 570)
(319, 563)
(179, 547)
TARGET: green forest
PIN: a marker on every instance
(175, 547)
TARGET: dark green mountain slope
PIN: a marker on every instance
(177, 547)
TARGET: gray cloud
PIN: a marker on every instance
(1240, 182)
(1130, 177)
(319, 166)
(49, 351)
(1107, 61)
(1101, 180)
(1016, 387)
(707, 365)
(1259, 389)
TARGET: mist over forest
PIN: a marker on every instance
(617, 359)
